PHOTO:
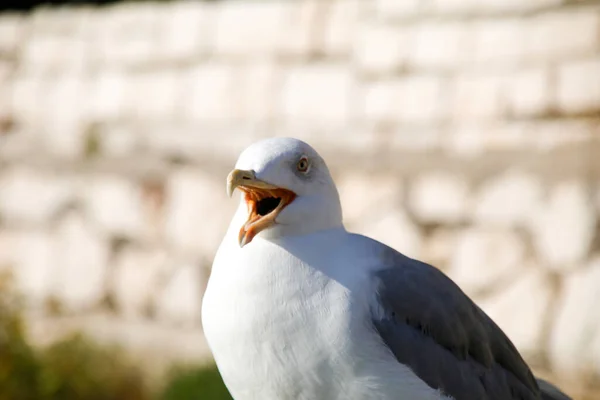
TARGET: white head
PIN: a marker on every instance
(287, 190)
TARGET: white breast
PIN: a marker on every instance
(280, 329)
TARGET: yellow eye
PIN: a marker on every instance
(302, 165)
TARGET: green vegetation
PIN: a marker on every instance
(78, 369)
(187, 384)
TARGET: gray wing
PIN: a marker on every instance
(431, 326)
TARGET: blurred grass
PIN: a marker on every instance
(76, 368)
(187, 384)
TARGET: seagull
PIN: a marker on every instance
(299, 308)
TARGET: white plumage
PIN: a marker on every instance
(305, 310)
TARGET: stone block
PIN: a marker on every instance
(197, 212)
(319, 94)
(521, 310)
(392, 9)
(579, 87)
(363, 194)
(46, 55)
(575, 334)
(33, 197)
(180, 302)
(478, 97)
(499, 41)
(127, 35)
(136, 280)
(186, 31)
(35, 261)
(491, 7)
(382, 49)
(154, 96)
(8, 250)
(12, 27)
(508, 199)
(108, 96)
(564, 225)
(439, 247)
(255, 28)
(64, 126)
(340, 28)
(563, 34)
(439, 45)
(81, 262)
(416, 99)
(258, 91)
(395, 229)
(115, 205)
(486, 257)
(439, 197)
(528, 93)
(210, 93)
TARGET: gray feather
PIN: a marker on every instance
(430, 325)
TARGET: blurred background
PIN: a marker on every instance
(462, 132)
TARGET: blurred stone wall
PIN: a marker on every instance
(465, 133)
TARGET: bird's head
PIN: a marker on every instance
(286, 189)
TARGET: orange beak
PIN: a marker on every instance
(264, 201)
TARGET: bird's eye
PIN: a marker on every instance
(303, 165)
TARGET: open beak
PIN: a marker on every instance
(264, 201)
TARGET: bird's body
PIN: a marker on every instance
(299, 308)
(267, 318)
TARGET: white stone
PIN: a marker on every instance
(107, 100)
(35, 258)
(439, 247)
(318, 93)
(136, 279)
(255, 28)
(498, 41)
(340, 29)
(119, 141)
(486, 7)
(529, 92)
(63, 130)
(478, 97)
(579, 87)
(576, 327)
(45, 55)
(116, 206)
(127, 35)
(397, 9)
(484, 257)
(154, 95)
(520, 310)
(363, 194)
(32, 197)
(395, 229)
(416, 99)
(382, 49)
(564, 225)
(8, 248)
(439, 197)
(180, 301)
(197, 211)
(211, 93)
(560, 34)
(11, 32)
(259, 88)
(186, 31)
(80, 265)
(27, 102)
(508, 199)
(439, 45)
